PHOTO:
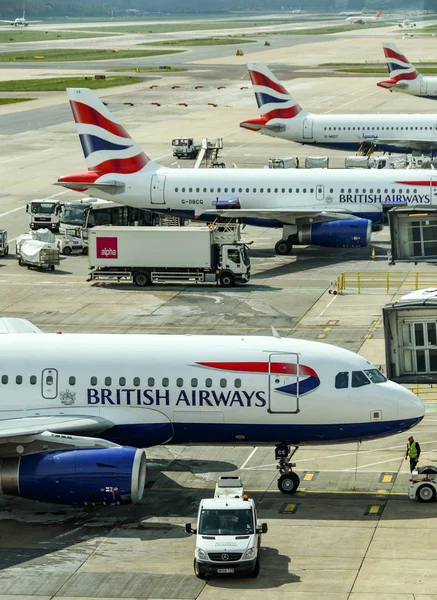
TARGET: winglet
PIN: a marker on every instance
(275, 333)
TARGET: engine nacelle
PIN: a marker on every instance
(347, 233)
(99, 476)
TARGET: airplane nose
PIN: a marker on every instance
(410, 407)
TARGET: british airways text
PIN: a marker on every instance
(385, 198)
(163, 397)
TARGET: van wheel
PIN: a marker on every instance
(227, 280)
(255, 571)
(141, 279)
(198, 571)
(66, 250)
(425, 493)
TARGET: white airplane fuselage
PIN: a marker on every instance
(201, 389)
(424, 87)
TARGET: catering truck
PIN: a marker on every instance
(228, 535)
(144, 255)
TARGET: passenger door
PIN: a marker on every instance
(157, 189)
(49, 384)
(423, 86)
(307, 129)
(320, 192)
(283, 383)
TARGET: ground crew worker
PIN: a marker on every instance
(413, 452)
(297, 162)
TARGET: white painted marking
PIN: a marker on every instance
(248, 458)
(328, 305)
(61, 535)
(347, 103)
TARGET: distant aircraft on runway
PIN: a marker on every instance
(282, 117)
(76, 410)
(20, 21)
(404, 77)
(332, 208)
(362, 20)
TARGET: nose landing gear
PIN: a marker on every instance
(288, 481)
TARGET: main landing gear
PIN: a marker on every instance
(283, 247)
(288, 481)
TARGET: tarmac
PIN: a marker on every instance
(350, 532)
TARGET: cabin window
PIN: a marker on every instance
(5, 379)
(240, 190)
(93, 381)
(19, 379)
(237, 383)
(415, 191)
(407, 191)
(71, 380)
(261, 190)
(342, 380)
(233, 190)
(208, 383)
(247, 190)
(359, 379)
(165, 382)
(312, 190)
(136, 381)
(32, 380)
(393, 191)
(276, 190)
(283, 190)
(204, 190)
(329, 128)
(197, 189)
(223, 383)
(179, 382)
(108, 381)
(349, 191)
(176, 189)
(304, 191)
(182, 189)
(219, 189)
(268, 190)
(331, 191)
(297, 190)
(254, 190)
(122, 381)
(357, 191)
(211, 190)
(342, 191)
(371, 191)
(290, 190)
(151, 381)
(225, 190)
(194, 382)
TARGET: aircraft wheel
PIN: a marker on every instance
(288, 483)
(283, 247)
(425, 493)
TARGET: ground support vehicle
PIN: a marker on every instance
(283, 163)
(37, 250)
(317, 162)
(71, 245)
(184, 147)
(144, 255)
(4, 247)
(423, 484)
(44, 213)
(228, 534)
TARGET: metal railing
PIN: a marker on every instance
(380, 280)
(428, 395)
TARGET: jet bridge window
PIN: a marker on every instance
(375, 376)
(359, 379)
(71, 380)
(5, 379)
(32, 380)
(342, 380)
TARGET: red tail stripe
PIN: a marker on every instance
(283, 113)
(258, 78)
(261, 367)
(403, 76)
(122, 165)
(389, 53)
(90, 116)
(427, 183)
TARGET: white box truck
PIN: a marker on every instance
(228, 534)
(44, 213)
(144, 255)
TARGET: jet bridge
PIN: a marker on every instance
(413, 234)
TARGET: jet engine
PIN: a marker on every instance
(347, 233)
(107, 476)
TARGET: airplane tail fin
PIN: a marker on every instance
(378, 14)
(274, 102)
(106, 145)
(399, 67)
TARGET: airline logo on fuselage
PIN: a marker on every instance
(383, 199)
(106, 247)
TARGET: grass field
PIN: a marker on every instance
(69, 54)
(13, 36)
(225, 41)
(192, 26)
(61, 83)
(14, 100)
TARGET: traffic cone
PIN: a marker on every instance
(373, 256)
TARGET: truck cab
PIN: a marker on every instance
(228, 534)
(184, 147)
(45, 213)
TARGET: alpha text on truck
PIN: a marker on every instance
(228, 535)
(144, 255)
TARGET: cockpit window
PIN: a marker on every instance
(359, 379)
(342, 380)
(375, 376)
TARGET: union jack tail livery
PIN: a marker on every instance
(399, 67)
(274, 102)
(107, 146)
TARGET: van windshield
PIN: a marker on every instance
(226, 522)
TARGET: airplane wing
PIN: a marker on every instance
(46, 433)
(287, 216)
(424, 145)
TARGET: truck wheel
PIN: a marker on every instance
(425, 493)
(141, 279)
(52, 267)
(198, 571)
(6, 251)
(255, 571)
(227, 280)
(66, 250)
(288, 483)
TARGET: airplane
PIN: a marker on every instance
(77, 410)
(330, 208)
(282, 117)
(362, 20)
(404, 77)
(20, 21)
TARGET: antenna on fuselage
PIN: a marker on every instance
(275, 333)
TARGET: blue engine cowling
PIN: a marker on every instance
(99, 476)
(347, 233)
